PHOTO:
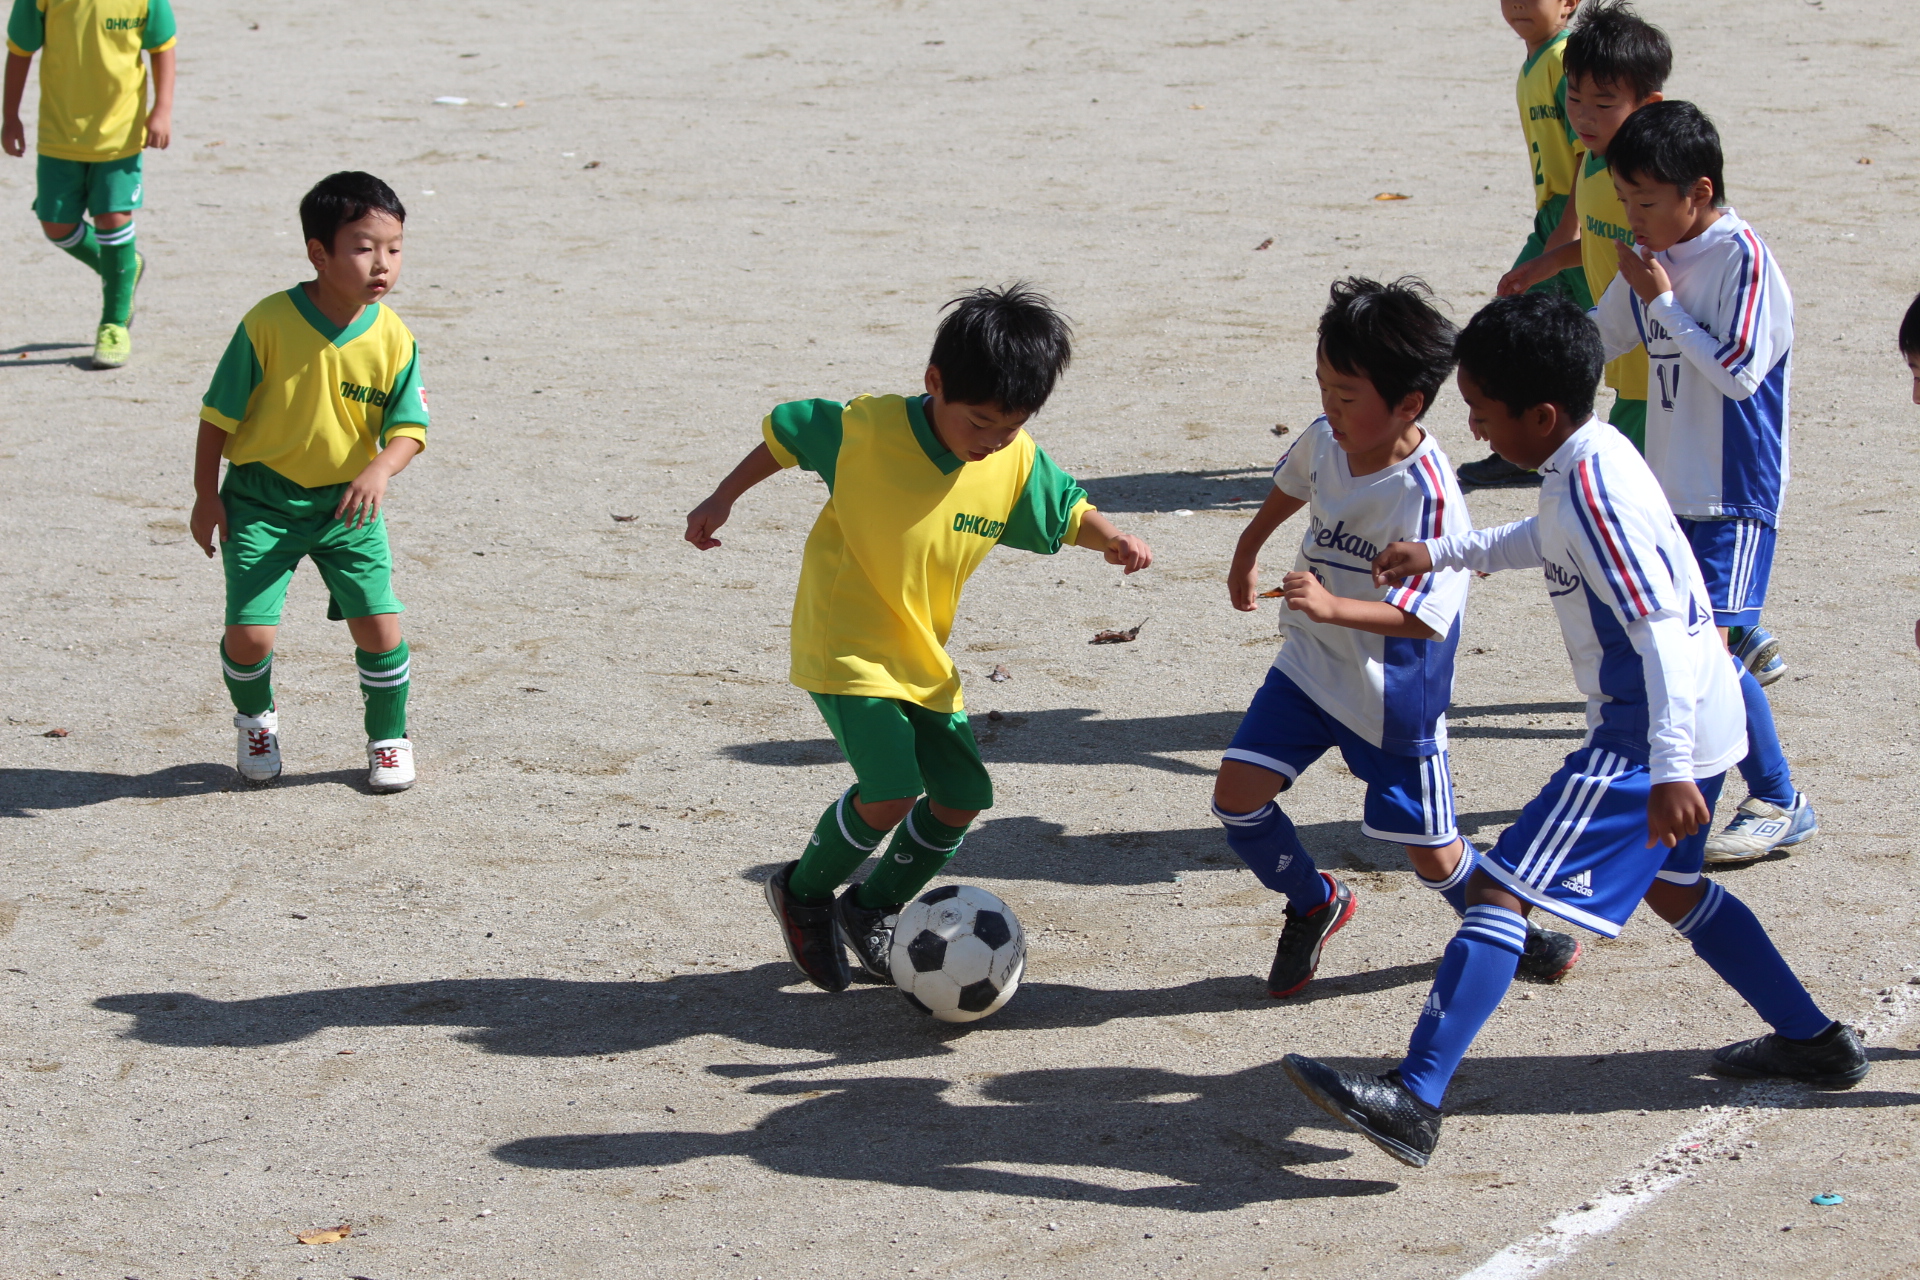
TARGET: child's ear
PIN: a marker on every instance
(1411, 406)
(933, 381)
(317, 255)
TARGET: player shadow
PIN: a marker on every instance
(21, 357)
(26, 792)
(1208, 489)
(1135, 1137)
(1457, 729)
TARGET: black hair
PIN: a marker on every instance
(1612, 44)
(1004, 347)
(1533, 348)
(1390, 335)
(1671, 142)
(340, 198)
(1910, 330)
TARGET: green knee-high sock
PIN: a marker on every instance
(840, 842)
(921, 846)
(383, 685)
(119, 271)
(82, 244)
(250, 686)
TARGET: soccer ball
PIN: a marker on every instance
(958, 953)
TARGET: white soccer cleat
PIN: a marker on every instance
(390, 764)
(1758, 828)
(257, 749)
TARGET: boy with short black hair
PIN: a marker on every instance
(1704, 299)
(919, 490)
(94, 122)
(1364, 669)
(316, 405)
(1626, 816)
(1616, 63)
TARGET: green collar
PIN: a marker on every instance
(1594, 164)
(326, 328)
(1558, 39)
(937, 453)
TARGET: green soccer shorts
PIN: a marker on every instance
(1629, 418)
(899, 750)
(1570, 284)
(272, 523)
(67, 189)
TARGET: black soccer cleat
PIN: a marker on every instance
(1495, 472)
(807, 929)
(1834, 1060)
(1378, 1108)
(1549, 955)
(1297, 955)
(867, 932)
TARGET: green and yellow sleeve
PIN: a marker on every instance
(27, 27)
(406, 409)
(235, 379)
(1047, 514)
(161, 28)
(805, 433)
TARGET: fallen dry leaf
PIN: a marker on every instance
(1279, 428)
(1866, 159)
(1120, 637)
(54, 733)
(623, 519)
(527, 688)
(1000, 675)
(1392, 195)
(591, 164)
(1274, 594)
(1264, 244)
(326, 1235)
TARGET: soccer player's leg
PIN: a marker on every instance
(258, 559)
(1805, 1043)
(114, 190)
(1736, 561)
(356, 564)
(1282, 733)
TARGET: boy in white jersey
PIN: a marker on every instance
(1626, 817)
(1367, 670)
(1706, 300)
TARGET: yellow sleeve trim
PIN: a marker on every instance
(411, 431)
(1074, 517)
(162, 48)
(778, 450)
(17, 51)
(210, 414)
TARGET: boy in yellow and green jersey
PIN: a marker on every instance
(1541, 92)
(316, 404)
(919, 490)
(94, 122)
(1616, 63)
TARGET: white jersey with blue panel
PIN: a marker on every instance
(1392, 692)
(1662, 691)
(1720, 344)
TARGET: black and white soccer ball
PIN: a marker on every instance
(958, 953)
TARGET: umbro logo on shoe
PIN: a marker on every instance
(1581, 884)
(1771, 829)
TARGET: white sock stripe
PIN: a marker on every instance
(925, 843)
(1469, 858)
(1496, 925)
(1253, 819)
(79, 234)
(383, 680)
(119, 235)
(390, 673)
(1703, 910)
(840, 817)
(233, 674)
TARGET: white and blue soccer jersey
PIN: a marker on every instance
(1391, 692)
(1721, 349)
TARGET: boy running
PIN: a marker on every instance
(1551, 147)
(316, 405)
(919, 490)
(1626, 816)
(1367, 670)
(94, 121)
(1706, 302)
(1616, 63)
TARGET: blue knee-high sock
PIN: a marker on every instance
(1454, 887)
(1475, 972)
(1768, 776)
(1271, 848)
(1727, 936)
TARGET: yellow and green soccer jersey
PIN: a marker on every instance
(1551, 141)
(905, 525)
(1603, 224)
(93, 81)
(313, 401)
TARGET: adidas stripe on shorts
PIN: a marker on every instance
(1736, 562)
(1580, 850)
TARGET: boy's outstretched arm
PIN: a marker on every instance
(13, 134)
(1243, 577)
(1097, 533)
(1562, 251)
(704, 520)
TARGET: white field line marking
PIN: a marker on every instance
(1716, 1134)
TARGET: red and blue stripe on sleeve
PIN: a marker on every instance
(1409, 595)
(1633, 591)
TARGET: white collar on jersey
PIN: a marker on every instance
(1564, 454)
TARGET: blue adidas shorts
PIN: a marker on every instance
(1736, 561)
(1409, 798)
(1580, 850)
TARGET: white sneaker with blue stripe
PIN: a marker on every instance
(1759, 828)
(1759, 652)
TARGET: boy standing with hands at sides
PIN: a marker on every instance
(1364, 669)
(1626, 817)
(94, 122)
(1616, 63)
(316, 405)
(1551, 147)
(1707, 304)
(919, 489)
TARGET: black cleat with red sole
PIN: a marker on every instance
(1549, 956)
(807, 929)
(1297, 955)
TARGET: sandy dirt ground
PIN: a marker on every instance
(530, 1019)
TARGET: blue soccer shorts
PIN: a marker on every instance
(1409, 798)
(1580, 850)
(1736, 561)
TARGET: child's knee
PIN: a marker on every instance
(1671, 902)
(59, 231)
(1240, 787)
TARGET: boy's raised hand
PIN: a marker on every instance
(209, 517)
(705, 520)
(1642, 271)
(1400, 561)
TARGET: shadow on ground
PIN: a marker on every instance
(23, 357)
(1217, 489)
(25, 791)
